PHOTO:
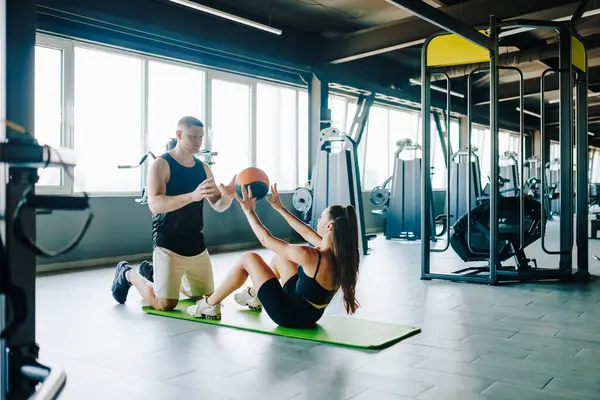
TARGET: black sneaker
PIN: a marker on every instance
(121, 285)
(147, 271)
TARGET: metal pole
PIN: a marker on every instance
(521, 161)
(447, 156)
(566, 150)
(494, 150)
(582, 176)
(440, 131)
(3, 352)
(470, 154)
(314, 123)
(543, 208)
(444, 21)
(18, 262)
(425, 176)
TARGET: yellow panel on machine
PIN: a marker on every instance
(447, 50)
(578, 54)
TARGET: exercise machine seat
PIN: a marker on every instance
(509, 229)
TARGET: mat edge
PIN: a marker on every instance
(414, 330)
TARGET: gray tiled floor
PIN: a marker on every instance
(525, 341)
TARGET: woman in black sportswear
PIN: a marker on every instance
(301, 280)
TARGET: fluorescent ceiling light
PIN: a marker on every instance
(228, 16)
(439, 89)
(556, 101)
(529, 112)
(586, 14)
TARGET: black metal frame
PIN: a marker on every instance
(495, 271)
(441, 19)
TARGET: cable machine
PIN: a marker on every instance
(336, 177)
(465, 45)
(22, 374)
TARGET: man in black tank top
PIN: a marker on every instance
(178, 184)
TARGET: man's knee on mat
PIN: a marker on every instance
(161, 304)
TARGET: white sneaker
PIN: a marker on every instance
(245, 298)
(204, 310)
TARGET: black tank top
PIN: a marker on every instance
(311, 290)
(181, 230)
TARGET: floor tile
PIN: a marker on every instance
(477, 342)
(504, 390)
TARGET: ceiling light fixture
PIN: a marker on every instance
(439, 89)
(228, 16)
(586, 14)
(529, 112)
(556, 101)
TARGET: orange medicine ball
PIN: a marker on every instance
(256, 179)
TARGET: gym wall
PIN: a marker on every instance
(122, 229)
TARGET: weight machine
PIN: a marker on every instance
(465, 45)
(466, 180)
(553, 192)
(400, 196)
(532, 181)
(21, 373)
(336, 174)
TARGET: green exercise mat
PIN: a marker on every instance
(344, 331)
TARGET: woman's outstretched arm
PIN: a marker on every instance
(298, 254)
(298, 225)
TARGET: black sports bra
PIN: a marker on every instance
(309, 289)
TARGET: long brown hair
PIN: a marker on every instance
(346, 252)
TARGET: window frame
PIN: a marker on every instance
(146, 99)
(297, 91)
(211, 75)
(124, 53)
(67, 117)
(67, 46)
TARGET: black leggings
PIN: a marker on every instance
(285, 307)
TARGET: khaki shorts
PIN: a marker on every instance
(173, 271)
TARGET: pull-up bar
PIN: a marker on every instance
(444, 21)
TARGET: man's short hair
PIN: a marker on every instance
(188, 122)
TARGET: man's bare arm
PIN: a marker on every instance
(158, 201)
(219, 201)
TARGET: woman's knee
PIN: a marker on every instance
(252, 256)
(277, 260)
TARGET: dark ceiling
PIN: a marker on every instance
(376, 33)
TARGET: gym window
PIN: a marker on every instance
(438, 161)
(276, 133)
(113, 105)
(595, 170)
(108, 120)
(173, 91)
